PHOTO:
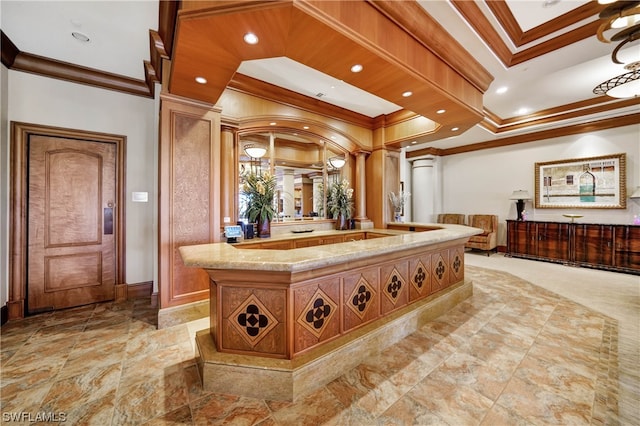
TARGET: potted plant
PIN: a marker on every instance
(259, 192)
(340, 203)
(398, 202)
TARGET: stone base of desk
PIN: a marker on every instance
(288, 380)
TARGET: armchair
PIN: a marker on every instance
(454, 218)
(488, 240)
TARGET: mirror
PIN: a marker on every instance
(303, 165)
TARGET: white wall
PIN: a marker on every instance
(46, 101)
(482, 181)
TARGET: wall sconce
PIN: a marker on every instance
(337, 162)
(255, 151)
(520, 195)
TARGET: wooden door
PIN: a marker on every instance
(71, 257)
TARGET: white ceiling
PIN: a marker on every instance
(119, 42)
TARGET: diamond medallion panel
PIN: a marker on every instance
(440, 271)
(457, 264)
(252, 320)
(317, 314)
(394, 286)
(419, 277)
(361, 297)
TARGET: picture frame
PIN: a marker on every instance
(582, 183)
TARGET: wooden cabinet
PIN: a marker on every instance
(553, 240)
(593, 244)
(627, 247)
(603, 246)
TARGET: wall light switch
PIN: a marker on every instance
(226, 219)
(140, 197)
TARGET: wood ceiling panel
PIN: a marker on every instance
(327, 36)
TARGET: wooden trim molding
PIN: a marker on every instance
(503, 14)
(477, 19)
(18, 186)
(16, 60)
(573, 129)
(139, 290)
(568, 130)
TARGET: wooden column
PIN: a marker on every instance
(228, 173)
(189, 188)
(361, 191)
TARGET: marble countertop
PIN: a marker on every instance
(230, 256)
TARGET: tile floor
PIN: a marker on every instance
(513, 354)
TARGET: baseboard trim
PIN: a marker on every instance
(139, 290)
(4, 315)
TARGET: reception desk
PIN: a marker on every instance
(289, 314)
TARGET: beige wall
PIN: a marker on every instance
(482, 181)
(45, 101)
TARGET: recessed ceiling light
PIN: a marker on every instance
(522, 111)
(414, 142)
(273, 123)
(441, 111)
(80, 36)
(305, 127)
(356, 68)
(407, 94)
(201, 80)
(250, 38)
(501, 90)
(333, 137)
(455, 129)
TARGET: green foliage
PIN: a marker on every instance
(259, 191)
(340, 200)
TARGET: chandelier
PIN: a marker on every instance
(625, 15)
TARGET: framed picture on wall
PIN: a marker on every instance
(583, 183)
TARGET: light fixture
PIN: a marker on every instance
(250, 38)
(623, 86)
(201, 80)
(337, 162)
(441, 111)
(619, 14)
(520, 195)
(407, 94)
(501, 90)
(455, 129)
(255, 151)
(80, 36)
(356, 68)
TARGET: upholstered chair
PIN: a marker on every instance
(454, 218)
(488, 240)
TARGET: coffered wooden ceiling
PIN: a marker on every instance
(452, 53)
(330, 37)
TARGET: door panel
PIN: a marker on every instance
(70, 260)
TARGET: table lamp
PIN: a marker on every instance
(520, 195)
